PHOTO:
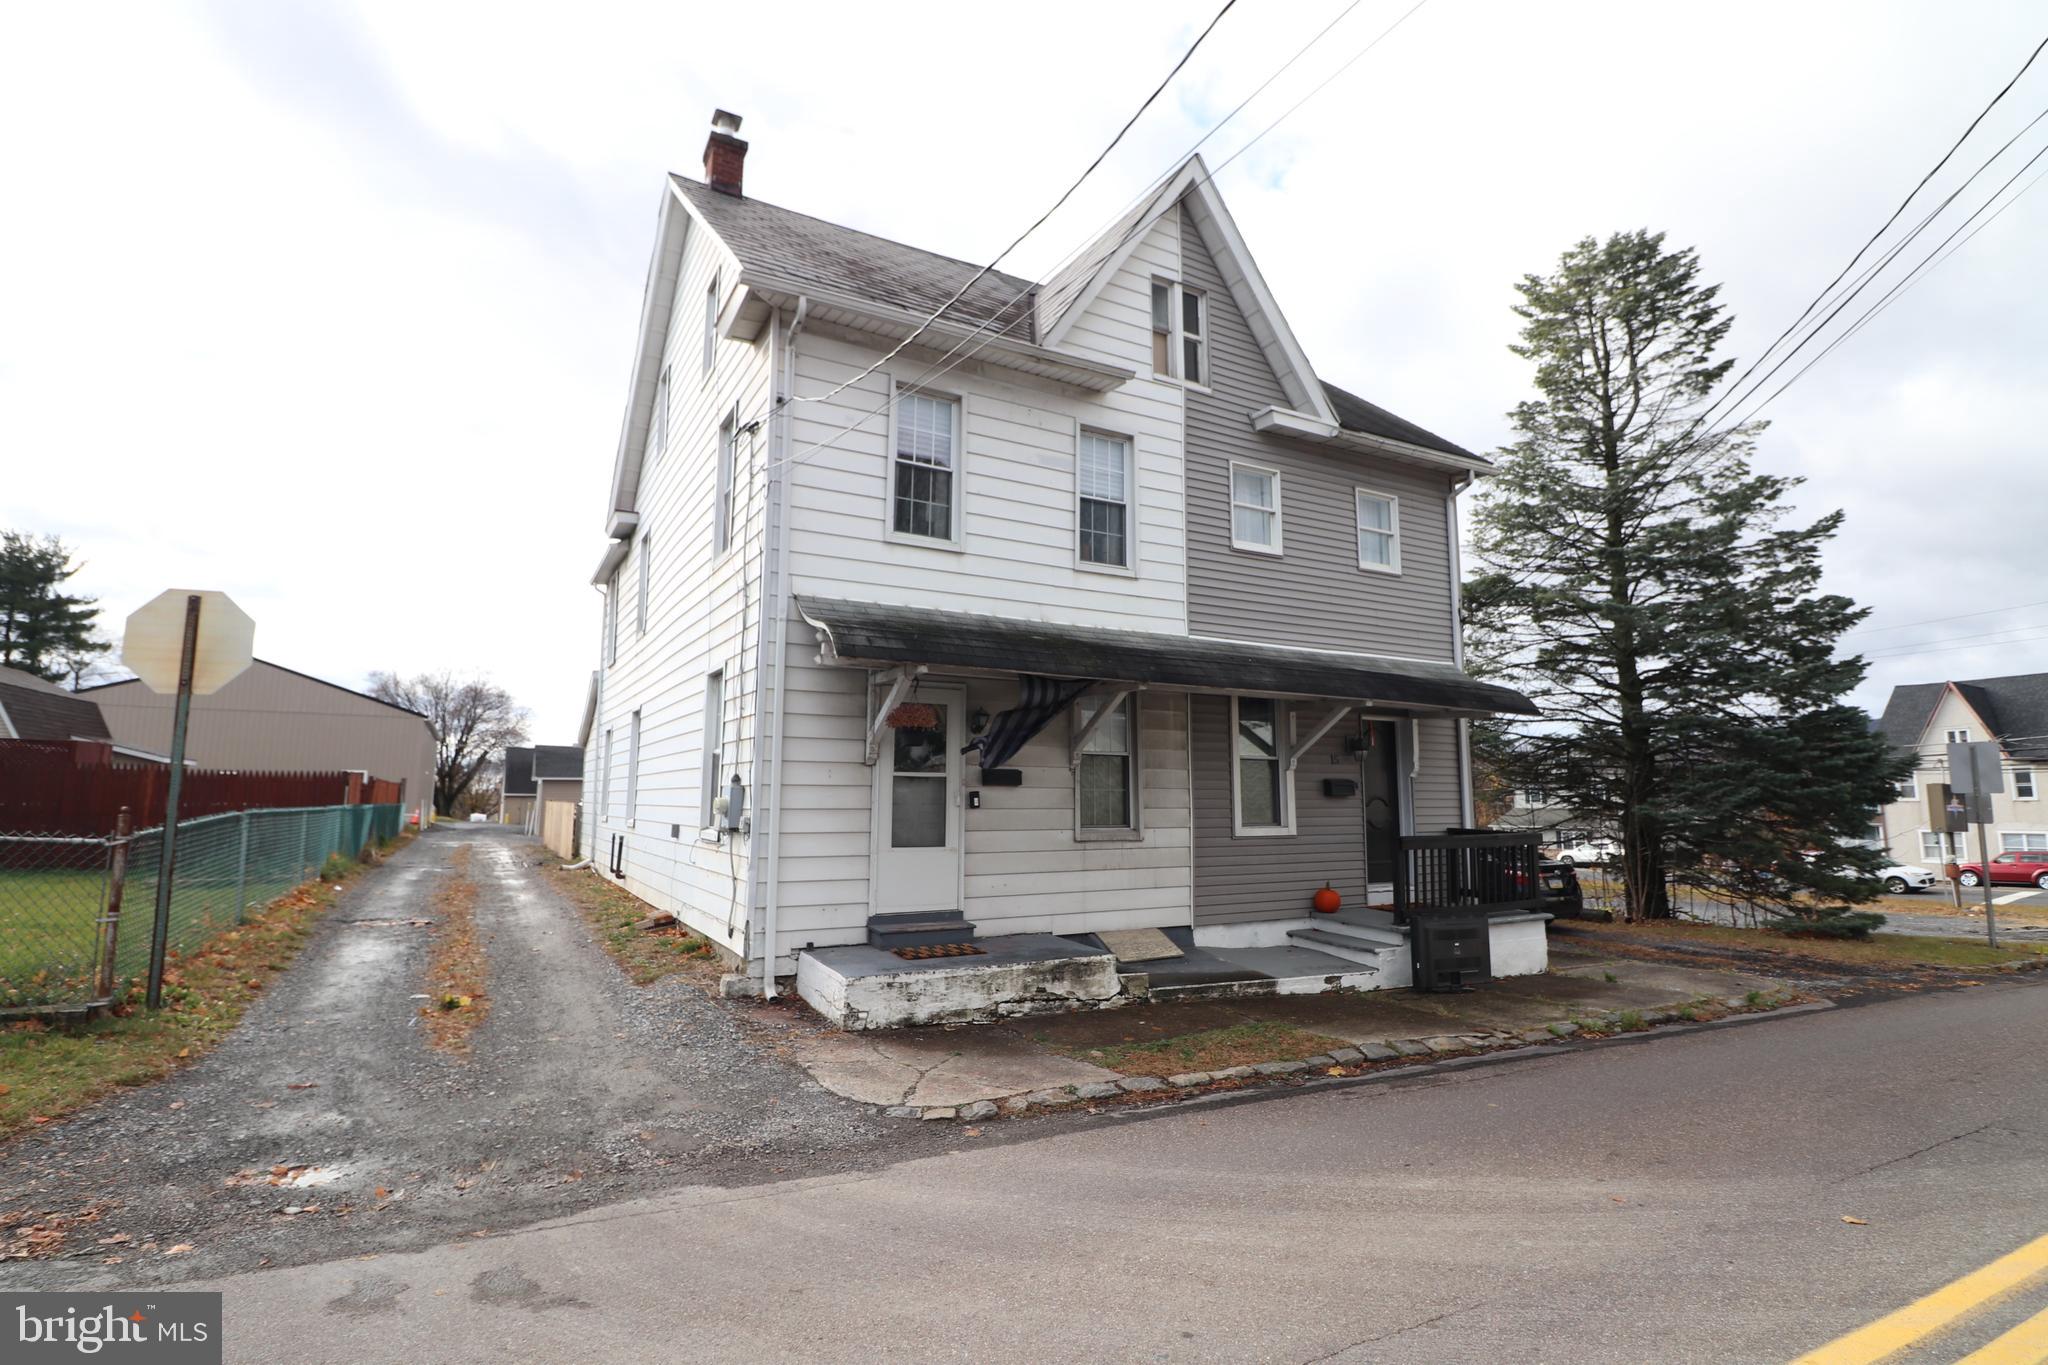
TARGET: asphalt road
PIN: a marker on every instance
(1668, 1198)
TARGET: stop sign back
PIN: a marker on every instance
(155, 640)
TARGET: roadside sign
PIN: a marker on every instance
(1977, 769)
(152, 646)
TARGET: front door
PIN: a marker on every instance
(1380, 784)
(917, 807)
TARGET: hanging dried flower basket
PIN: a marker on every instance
(914, 715)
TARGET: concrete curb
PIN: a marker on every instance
(1380, 1060)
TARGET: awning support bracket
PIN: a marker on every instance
(1329, 723)
(1111, 700)
(898, 685)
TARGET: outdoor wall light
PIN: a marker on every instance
(978, 721)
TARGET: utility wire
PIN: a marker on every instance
(946, 363)
(1039, 222)
(1941, 620)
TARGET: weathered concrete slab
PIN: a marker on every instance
(859, 987)
(935, 1067)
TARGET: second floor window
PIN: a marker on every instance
(660, 442)
(646, 584)
(711, 324)
(721, 508)
(1909, 790)
(925, 499)
(1255, 508)
(1379, 532)
(2023, 784)
(611, 619)
(1105, 513)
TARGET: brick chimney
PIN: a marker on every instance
(725, 156)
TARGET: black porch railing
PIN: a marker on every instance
(1475, 872)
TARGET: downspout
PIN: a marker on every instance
(1466, 813)
(777, 550)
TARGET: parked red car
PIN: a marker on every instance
(2009, 869)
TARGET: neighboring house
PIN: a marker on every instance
(1193, 609)
(515, 786)
(32, 708)
(1559, 822)
(1923, 719)
(274, 719)
(540, 793)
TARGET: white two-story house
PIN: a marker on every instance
(975, 617)
(1923, 719)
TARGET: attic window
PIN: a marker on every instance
(1180, 337)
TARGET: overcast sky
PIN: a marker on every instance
(332, 306)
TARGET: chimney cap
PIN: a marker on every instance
(725, 122)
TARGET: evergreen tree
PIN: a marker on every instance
(43, 629)
(1636, 577)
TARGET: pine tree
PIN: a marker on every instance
(43, 629)
(1637, 578)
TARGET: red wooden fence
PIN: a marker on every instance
(68, 789)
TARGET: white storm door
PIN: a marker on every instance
(917, 809)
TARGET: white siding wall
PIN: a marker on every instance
(1016, 478)
(1904, 820)
(704, 613)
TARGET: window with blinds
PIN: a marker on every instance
(1104, 477)
(927, 434)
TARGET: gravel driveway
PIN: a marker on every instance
(580, 1089)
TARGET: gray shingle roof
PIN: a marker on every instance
(2015, 707)
(810, 251)
(1355, 414)
(51, 715)
(518, 771)
(557, 760)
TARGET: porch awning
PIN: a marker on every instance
(874, 635)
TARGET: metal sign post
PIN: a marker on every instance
(207, 656)
(1977, 770)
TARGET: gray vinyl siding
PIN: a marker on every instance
(1434, 790)
(1260, 877)
(1314, 594)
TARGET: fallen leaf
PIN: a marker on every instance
(280, 1170)
(184, 1052)
(38, 1118)
(177, 1104)
(1859, 1222)
(1335, 1071)
(381, 1193)
(178, 1250)
(971, 1132)
(302, 1085)
(3, 1089)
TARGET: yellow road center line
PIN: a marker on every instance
(2026, 1344)
(1922, 1318)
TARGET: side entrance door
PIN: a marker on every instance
(917, 808)
(1380, 786)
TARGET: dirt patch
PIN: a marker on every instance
(1884, 952)
(647, 952)
(1246, 1044)
(456, 965)
(50, 1069)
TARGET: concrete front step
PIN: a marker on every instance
(1350, 944)
(903, 930)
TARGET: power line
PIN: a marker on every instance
(947, 363)
(1940, 620)
(1039, 222)
(1949, 649)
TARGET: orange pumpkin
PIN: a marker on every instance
(1327, 900)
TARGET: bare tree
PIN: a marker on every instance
(473, 719)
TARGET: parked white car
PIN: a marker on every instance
(1589, 851)
(1900, 879)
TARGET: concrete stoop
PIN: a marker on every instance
(860, 987)
(1100, 1085)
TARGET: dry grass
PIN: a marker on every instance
(1880, 951)
(1213, 1049)
(50, 1069)
(455, 964)
(614, 915)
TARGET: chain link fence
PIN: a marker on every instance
(76, 914)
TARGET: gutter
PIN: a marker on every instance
(1282, 422)
(1467, 806)
(778, 549)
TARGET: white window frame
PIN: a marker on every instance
(727, 478)
(1948, 847)
(712, 740)
(1277, 548)
(1176, 333)
(1130, 567)
(1393, 534)
(956, 541)
(633, 772)
(1135, 828)
(1283, 739)
(645, 550)
(2033, 784)
(1958, 736)
(604, 780)
(661, 401)
(1909, 789)
(611, 620)
(711, 326)
(2030, 841)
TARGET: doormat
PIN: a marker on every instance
(932, 950)
(1138, 945)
